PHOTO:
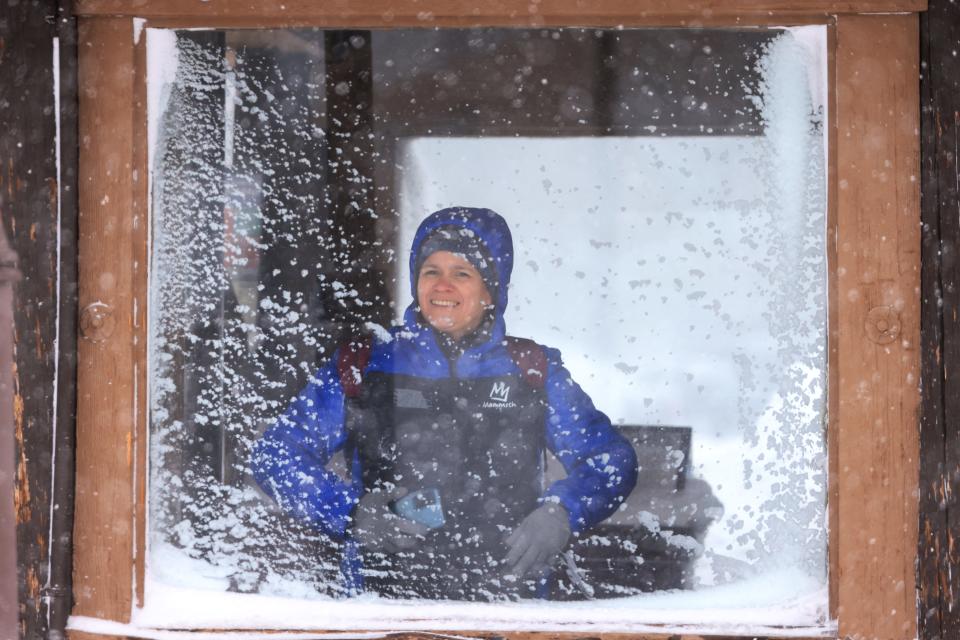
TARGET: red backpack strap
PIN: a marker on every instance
(353, 356)
(530, 358)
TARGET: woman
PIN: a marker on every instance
(445, 423)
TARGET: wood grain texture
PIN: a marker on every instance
(84, 635)
(29, 191)
(939, 595)
(106, 354)
(58, 591)
(878, 244)
(428, 13)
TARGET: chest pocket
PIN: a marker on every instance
(479, 442)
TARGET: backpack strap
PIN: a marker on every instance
(530, 358)
(353, 356)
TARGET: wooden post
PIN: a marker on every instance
(104, 523)
(877, 338)
(30, 211)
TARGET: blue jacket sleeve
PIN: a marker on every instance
(601, 464)
(289, 460)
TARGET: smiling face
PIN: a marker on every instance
(451, 294)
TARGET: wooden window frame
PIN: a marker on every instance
(873, 240)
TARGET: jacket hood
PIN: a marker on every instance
(489, 226)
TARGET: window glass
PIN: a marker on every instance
(659, 450)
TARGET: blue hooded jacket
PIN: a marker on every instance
(289, 461)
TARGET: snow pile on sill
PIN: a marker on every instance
(778, 601)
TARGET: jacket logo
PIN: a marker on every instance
(500, 391)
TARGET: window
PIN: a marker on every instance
(648, 202)
(239, 243)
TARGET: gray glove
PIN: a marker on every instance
(537, 539)
(377, 528)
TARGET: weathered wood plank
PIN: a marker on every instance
(103, 531)
(28, 209)
(497, 12)
(387, 9)
(58, 596)
(940, 447)
(933, 518)
(877, 274)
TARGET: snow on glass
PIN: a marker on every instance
(678, 265)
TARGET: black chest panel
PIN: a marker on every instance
(479, 443)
